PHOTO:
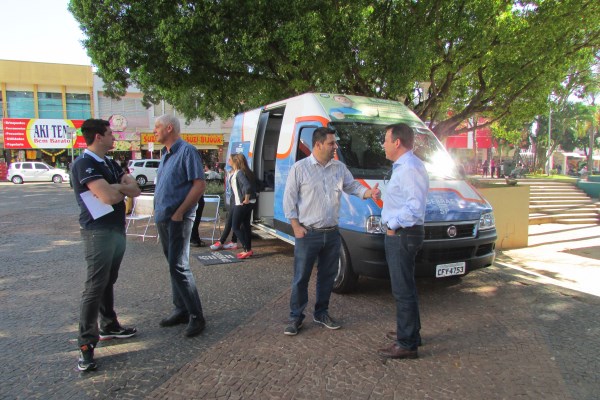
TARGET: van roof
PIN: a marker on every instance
(356, 108)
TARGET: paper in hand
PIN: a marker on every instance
(96, 208)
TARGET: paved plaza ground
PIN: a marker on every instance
(527, 327)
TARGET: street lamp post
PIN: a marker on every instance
(71, 136)
(548, 165)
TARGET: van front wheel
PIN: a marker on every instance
(346, 279)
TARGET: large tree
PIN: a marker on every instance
(496, 58)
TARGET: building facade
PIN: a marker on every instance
(133, 125)
(44, 104)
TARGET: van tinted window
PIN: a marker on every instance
(361, 149)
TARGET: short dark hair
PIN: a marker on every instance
(320, 135)
(403, 132)
(91, 127)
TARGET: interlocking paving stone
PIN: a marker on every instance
(493, 334)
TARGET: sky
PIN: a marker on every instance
(42, 31)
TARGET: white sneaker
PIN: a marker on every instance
(216, 246)
(230, 246)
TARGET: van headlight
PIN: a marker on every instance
(487, 221)
(374, 224)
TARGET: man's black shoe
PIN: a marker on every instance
(197, 243)
(118, 333)
(176, 318)
(195, 326)
(86, 358)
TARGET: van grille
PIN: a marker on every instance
(440, 232)
(440, 256)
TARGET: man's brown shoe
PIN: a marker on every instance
(395, 351)
(392, 336)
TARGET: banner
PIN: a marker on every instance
(29, 133)
(192, 138)
(126, 141)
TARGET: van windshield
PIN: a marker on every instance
(360, 147)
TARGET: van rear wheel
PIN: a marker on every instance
(346, 279)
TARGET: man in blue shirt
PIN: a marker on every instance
(100, 187)
(403, 214)
(179, 185)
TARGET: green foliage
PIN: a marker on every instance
(571, 126)
(495, 58)
(214, 188)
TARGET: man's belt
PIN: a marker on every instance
(324, 229)
(414, 228)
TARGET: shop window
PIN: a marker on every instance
(20, 104)
(78, 106)
(50, 105)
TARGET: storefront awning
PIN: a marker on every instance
(203, 141)
(158, 146)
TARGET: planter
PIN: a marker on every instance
(511, 211)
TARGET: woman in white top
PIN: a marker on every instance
(243, 187)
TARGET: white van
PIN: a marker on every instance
(35, 171)
(460, 234)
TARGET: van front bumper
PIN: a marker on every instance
(367, 252)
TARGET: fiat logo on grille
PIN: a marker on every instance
(452, 231)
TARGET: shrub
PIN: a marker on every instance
(213, 187)
(216, 187)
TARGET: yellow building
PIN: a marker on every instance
(42, 104)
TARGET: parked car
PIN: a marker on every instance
(143, 171)
(35, 171)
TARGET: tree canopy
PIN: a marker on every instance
(496, 58)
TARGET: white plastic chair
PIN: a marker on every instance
(141, 217)
(210, 214)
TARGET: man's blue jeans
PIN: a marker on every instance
(400, 252)
(104, 250)
(175, 241)
(323, 247)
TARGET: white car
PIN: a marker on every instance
(143, 171)
(35, 171)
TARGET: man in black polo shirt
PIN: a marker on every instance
(100, 186)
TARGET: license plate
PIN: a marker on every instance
(452, 269)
